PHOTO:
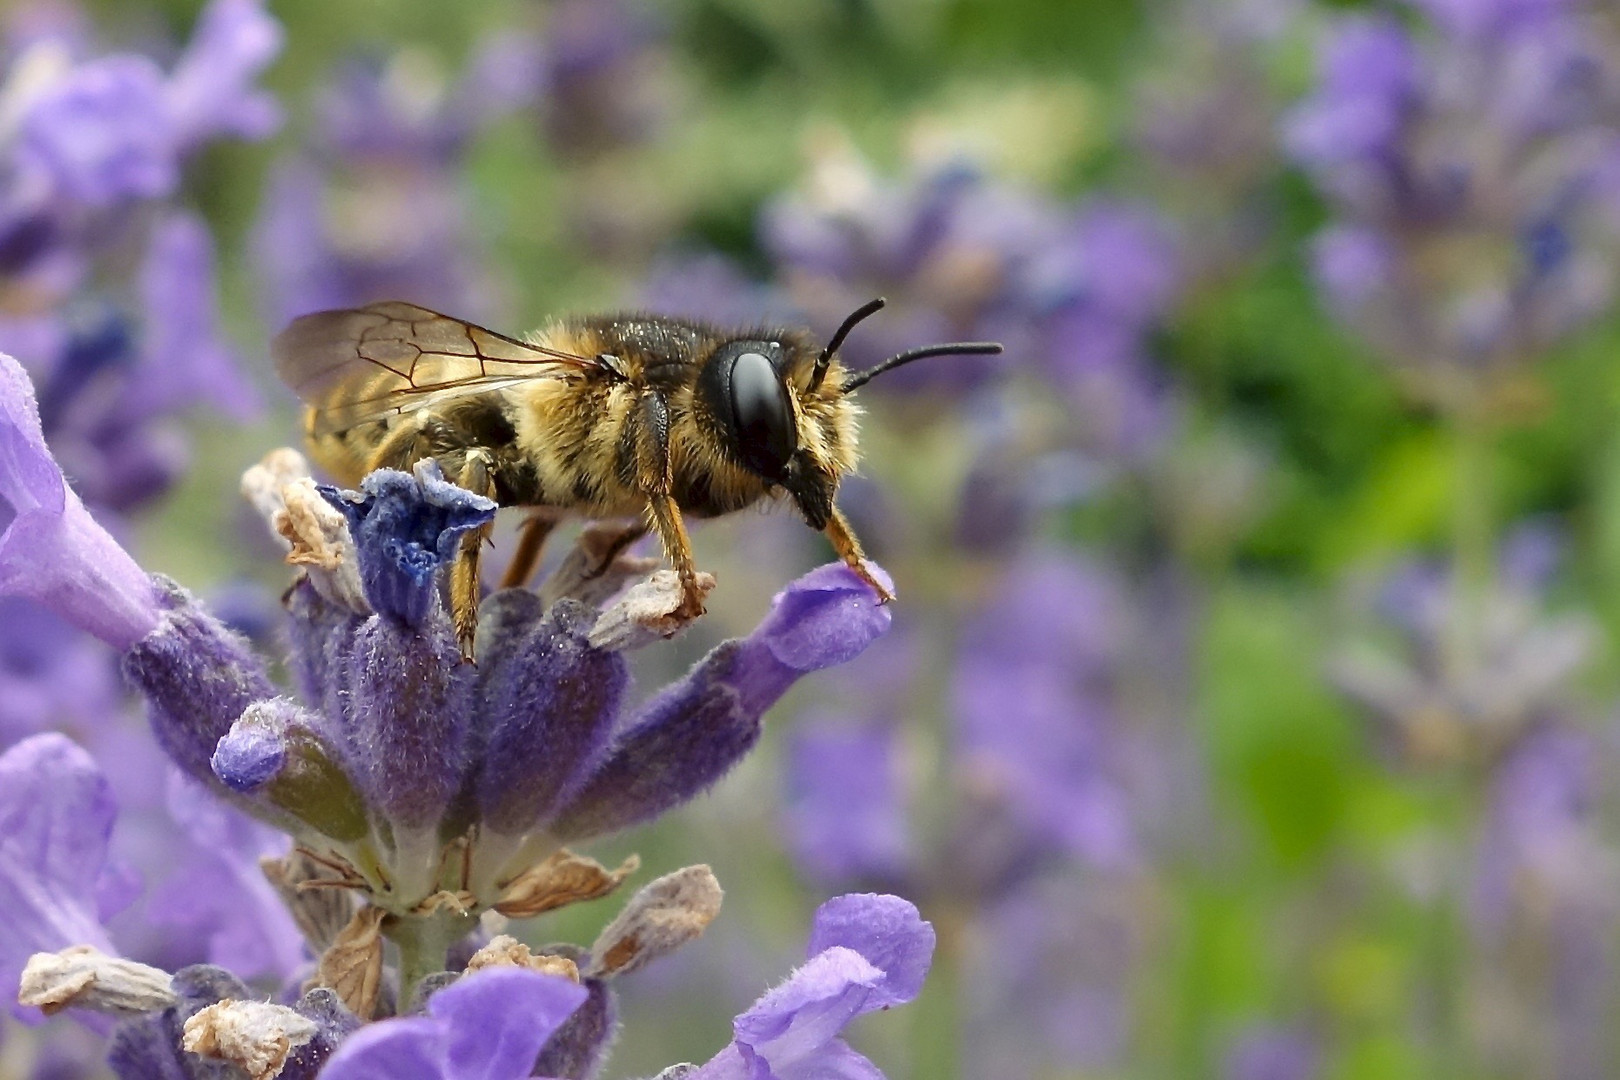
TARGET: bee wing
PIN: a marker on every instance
(358, 365)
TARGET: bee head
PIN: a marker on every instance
(755, 388)
(780, 417)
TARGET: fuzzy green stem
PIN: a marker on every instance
(424, 943)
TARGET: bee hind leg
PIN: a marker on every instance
(531, 542)
(848, 548)
(478, 477)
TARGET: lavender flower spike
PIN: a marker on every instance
(867, 952)
(52, 550)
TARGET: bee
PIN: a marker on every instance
(602, 416)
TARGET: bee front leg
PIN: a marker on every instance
(477, 476)
(649, 428)
(848, 548)
(666, 518)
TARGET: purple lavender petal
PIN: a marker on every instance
(100, 135)
(52, 551)
(825, 618)
(490, 1024)
(695, 730)
(388, 1050)
(278, 751)
(866, 952)
(888, 932)
(405, 529)
(197, 678)
(56, 815)
(210, 92)
(550, 715)
(791, 1031)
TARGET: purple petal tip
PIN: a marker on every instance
(826, 617)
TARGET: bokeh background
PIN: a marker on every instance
(1249, 710)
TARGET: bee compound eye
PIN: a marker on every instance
(762, 414)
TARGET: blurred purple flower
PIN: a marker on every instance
(947, 247)
(1101, 288)
(216, 896)
(1442, 700)
(374, 208)
(100, 135)
(211, 91)
(1471, 167)
(56, 814)
(866, 952)
(1541, 849)
(710, 287)
(1053, 963)
(845, 803)
(1271, 1053)
(1035, 719)
(607, 80)
(51, 675)
(184, 361)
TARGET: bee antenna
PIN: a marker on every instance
(955, 348)
(871, 307)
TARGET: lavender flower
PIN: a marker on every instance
(432, 789)
(607, 83)
(1205, 119)
(1454, 691)
(1471, 169)
(866, 952)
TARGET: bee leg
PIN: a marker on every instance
(531, 541)
(849, 549)
(649, 428)
(476, 476)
